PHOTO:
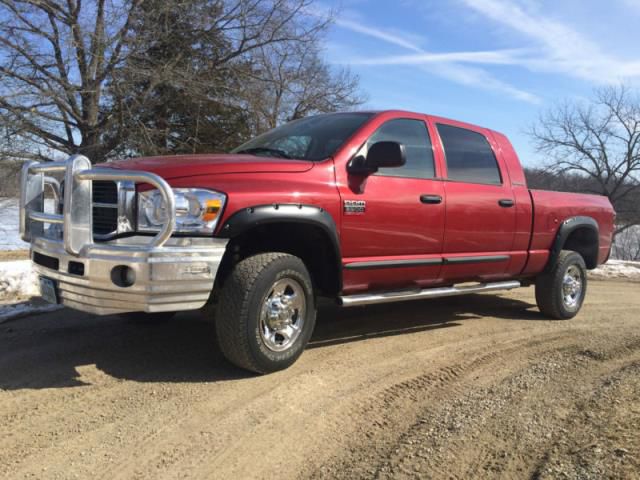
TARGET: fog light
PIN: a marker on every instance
(123, 276)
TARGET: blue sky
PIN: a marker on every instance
(496, 63)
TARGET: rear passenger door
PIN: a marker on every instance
(480, 215)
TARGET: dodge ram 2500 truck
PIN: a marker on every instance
(364, 208)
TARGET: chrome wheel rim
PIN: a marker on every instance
(282, 314)
(572, 286)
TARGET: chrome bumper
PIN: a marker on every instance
(170, 274)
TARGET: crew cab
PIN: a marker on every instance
(362, 207)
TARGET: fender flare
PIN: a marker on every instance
(250, 217)
(569, 226)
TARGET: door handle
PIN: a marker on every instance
(431, 199)
(506, 203)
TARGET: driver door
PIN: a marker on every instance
(393, 220)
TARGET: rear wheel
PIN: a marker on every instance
(266, 312)
(560, 292)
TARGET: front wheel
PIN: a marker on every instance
(560, 292)
(266, 312)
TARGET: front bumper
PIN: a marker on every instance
(178, 276)
(169, 273)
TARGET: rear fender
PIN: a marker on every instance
(568, 227)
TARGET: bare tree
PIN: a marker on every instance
(290, 83)
(600, 141)
(627, 245)
(9, 168)
(55, 58)
(94, 77)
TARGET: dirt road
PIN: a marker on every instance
(478, 386)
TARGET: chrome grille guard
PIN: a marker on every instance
(76, 218)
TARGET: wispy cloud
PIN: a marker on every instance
(450, 65)
(388, 37)
(479, 78)
(561, 48)
(490, 57)
(635, 4)
(552, 46)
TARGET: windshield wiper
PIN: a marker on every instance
(256, 150)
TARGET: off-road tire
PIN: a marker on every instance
(549, 286)
(239, 306)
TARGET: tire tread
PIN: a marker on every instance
(233, 309)
(548, 282)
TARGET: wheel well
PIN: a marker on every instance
(311, 243)
(584, 240)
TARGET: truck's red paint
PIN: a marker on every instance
(469, 223)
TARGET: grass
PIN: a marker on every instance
(14, 255)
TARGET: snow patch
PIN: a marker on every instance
(17, 279)
(9, 223)
(620, 269)
(8, 312)
(9, 236)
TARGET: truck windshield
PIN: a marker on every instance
(312, 138)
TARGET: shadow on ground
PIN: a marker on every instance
(44, 351)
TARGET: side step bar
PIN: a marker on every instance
(399, 296)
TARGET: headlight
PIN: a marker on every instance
(197, 210)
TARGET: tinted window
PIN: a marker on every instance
(414, 136)
(311, 138)
(469, 156)
(294, 146)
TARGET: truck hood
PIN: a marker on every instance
(176, 166)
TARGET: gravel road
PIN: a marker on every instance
(479, 386)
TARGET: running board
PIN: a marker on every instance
(399, 296)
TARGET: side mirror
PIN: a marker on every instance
(380, 155)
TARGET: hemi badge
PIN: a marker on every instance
(354, 207)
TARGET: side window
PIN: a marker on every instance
(469, 156)
(414, 136)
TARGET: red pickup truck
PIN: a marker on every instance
(363, 208)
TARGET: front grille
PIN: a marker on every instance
(105, 216)
(105, 192)
(105, 220)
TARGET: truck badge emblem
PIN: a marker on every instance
(354, 207)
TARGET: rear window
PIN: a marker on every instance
(469, 156)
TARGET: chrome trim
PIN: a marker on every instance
(170, 273)
(476, 259)
(104, 205)
(141, 177)
(46, 217)
(77, 228)
(398, 296)
(572, 286)
(31, 200)
(283, 314)
(50, 167)
(76, 218)
(126, 206)
(54, 184)
(178, 276)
